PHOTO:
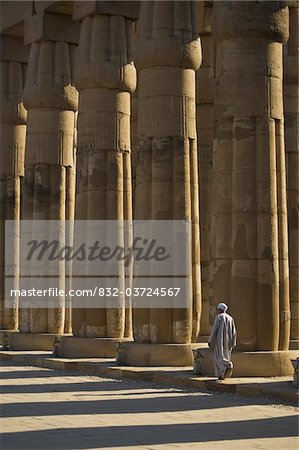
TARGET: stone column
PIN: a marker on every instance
(70, 216)
(249, 235)
(14, 58)
(106, 78)
(134, 115)
(51, 100)
(291, 101)
(168, 53)
(134, 158)
(205, 128)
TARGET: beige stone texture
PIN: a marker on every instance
(51, 100)
(248, 364)
(168, 48)
(59, 7)
(144, 354)
(134, 117)
(12, 16)
(128, 10)
(29, 341)
(212, 139)
(205, 128)
(67, 409)
(291, 108)
(294, 344)
(13, 50)
(280, 389)
(76, 347)
(249, 241)
(105, 78)
(51, 27)
(134, 104)
(13, 118)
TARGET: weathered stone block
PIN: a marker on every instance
(76, 347)
(118, 8)
(248, 364)
(13, 50)
(24, 341)
(52, 27)
(145, 354)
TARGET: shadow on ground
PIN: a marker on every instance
(121, 436)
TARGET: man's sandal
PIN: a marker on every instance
(228, 373)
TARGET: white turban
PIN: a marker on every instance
(222, 306)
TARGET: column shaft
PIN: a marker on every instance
(12, 146)
(168, 53)
(249, 235)
(291, 101)
(205, 128)
(51, 101)
(105, 78)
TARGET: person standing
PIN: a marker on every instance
(222, 340)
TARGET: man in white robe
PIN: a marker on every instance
(222, 340)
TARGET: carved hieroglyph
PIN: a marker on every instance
(51, 101)
(291, 102)
(13, 117)
(105, 77)
(249, 221)
(168, 53)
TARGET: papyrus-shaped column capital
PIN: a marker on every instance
(257, 30)
(265, 19)
(13, 115)
(84, 8)
(12, 108)
(168, 53)
(169, 35)
(12, 81)
(104, 57)
(49, 76)
(46, 26)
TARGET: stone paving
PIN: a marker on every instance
(279, 389)
(49, 409)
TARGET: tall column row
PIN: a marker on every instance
(234, 184)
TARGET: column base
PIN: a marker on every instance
(29, 341)
(87, 347)
(294, 344)
(248, 364)
(150, 355)
(3, 334)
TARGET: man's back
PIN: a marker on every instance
(227, 325)
(223, 339)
